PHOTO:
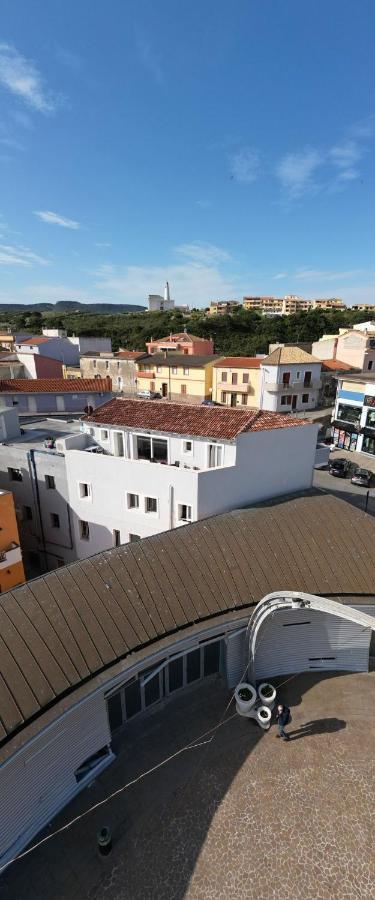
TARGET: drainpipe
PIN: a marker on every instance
(171, 502)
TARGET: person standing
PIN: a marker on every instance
(283, 718)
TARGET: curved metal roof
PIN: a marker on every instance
(63, 629)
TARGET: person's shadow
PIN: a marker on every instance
(319, 726)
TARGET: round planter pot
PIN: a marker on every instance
(263, 716)
(264, 698)
(244, 705)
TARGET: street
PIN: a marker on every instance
(343, 488)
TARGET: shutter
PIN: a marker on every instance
(39, 780)
(304, 640)
(235, 656)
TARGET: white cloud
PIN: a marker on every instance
(327, 274)
(193, 284)
(21, 77)
(20, 256)
(54, 292)
(280, 275)
(54, 219)
(296, 172)
(345, 155)
(203, 253)
(244, 165)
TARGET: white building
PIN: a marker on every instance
(353, 422)
(162, 465)
(290, 380)
(35, 471)
(157, 303)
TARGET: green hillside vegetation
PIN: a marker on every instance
(243, 333)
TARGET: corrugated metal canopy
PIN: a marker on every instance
(63, 629)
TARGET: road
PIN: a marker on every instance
(343, 488)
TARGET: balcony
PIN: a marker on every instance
(275, 387)
(235, 388)
(10, 556)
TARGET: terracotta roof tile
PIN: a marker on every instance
(41, 339)
(179, 336)
(286, 355)
(337, 366)
(181, 418)
(239, 362)
(129, 354)
(55, 385)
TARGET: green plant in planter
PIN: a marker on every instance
(267, 691)
(245, 694)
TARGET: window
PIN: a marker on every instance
(187, 446)
(286, 400)
(91, 431)
(298, 375)
(94, 363)
(305, 398)
(307, 379)
(116, 537)
(370, 419)
(118, 443)
(286, 378)
(224, 376)
(224, 396)
(27, 513)
(15, 402)
(107, 364)
(158, 369)
(104, 434)
(183, 389)
(174, 370)
(152, 448)
(84, 529)
(349, 413)
(245, 378)
(215, 455)
(15, 474)
(133, 501)
(184, 513)
(84, 490)
(118, 364)
(369, 367)
(134, 537)
(55, 520)
(60, 562)
(185, 370)
(244, 399)
(151, 505)
(234, 378)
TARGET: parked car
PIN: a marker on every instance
(361, 477)
(149, 395)
(339, 467)
(210, 403)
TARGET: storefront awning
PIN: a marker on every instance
(368, 432)
(345, 426)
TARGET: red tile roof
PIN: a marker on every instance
(41, 339)
(129, 354)
(181, 418)
(239, 362)
(55, 385)
(337, 366)
(183, 336)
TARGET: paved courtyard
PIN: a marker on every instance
(246, 816)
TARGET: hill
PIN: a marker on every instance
(72, 306)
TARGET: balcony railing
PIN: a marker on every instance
(278, 386)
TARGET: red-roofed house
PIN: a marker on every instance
(54, 395)
(182, 342)
(236, 381)
(163, 464)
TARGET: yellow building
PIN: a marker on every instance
(11, 565)
(223, 307)
(236, 381)
(71, 372)
(176, 377)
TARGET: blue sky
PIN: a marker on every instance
(228, 147)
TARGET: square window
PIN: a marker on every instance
(151, 505)
(158, 369)
(84, 529)
(133, 501)
(84, 490)
(187, 446)
(15, 474)
(185, 370)
(134, 537)
(104, 434)
(50, 482)
(27, 513)
(305, 398)
(174, 370)
(55, 520)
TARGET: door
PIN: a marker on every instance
(294, 401)
(118, 443)
(233, 400)
(32, 404)
(164, 389)
(60, 403)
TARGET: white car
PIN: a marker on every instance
(149, 395)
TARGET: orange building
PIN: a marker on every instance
(11, 565)
(183, 342)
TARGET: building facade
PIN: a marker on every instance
(187, 379)
(54, 395)
(182, 342)
(355, 346)
(290, 380)
(11, 565)
(236, 381)
(159, 466)
(223, 307)
(353, 422)
(159, 303)
(120, 367)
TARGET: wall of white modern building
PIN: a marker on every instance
(290, 386)
(354, 414)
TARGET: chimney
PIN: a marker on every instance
(166, 292)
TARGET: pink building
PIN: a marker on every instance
(183, 342)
